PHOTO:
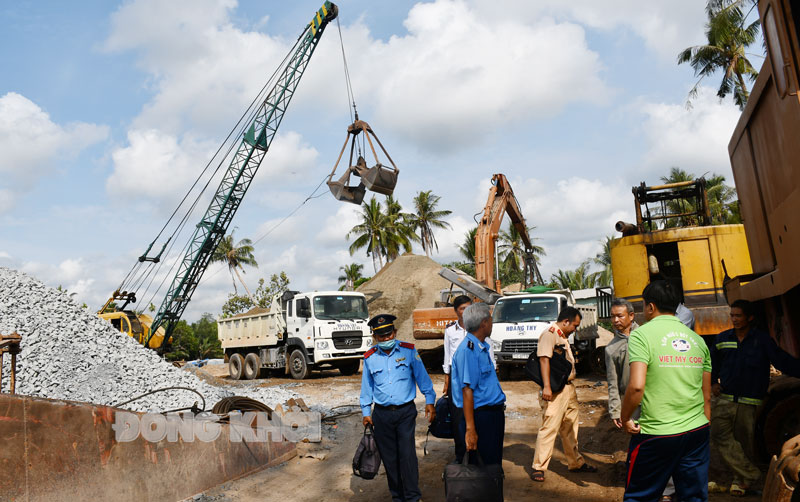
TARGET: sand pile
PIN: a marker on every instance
(407, 283)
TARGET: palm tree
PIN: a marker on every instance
(350, 274)
(580, 278)
(512, 250)
(467, 248)
(603, 259)
(236, 256)
(427, 218)
(398, 230)
(369, 232)
(722, 203)
(728, 38)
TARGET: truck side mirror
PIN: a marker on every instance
(303, 308)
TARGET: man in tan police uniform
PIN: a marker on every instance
(560, 409)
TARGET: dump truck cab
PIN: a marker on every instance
(519, 319)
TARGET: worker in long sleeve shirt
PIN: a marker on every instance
(392, 372)
(741, 359)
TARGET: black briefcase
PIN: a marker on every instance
(464, 482)
(560, 369)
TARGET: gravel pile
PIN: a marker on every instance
(69, 353)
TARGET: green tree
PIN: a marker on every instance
(728, 38)
(208, 344)
(236, 304)
(511, 251)
(398, 230)
(603, 259)
(579, 278)
(427, 218)
(236, 256)
(184, 342)
(467, 247)
(368, 232)
(722, 204)
(350, 274)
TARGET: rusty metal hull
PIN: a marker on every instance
(61, 450)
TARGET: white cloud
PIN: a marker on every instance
(446, 83)
(32, 145)
(694, 139)
(456, 75)
(336, 226)
(665, 27)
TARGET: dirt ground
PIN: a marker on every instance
(327, 475)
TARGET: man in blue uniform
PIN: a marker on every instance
(392, 371)
(476, 390)
(740, 360)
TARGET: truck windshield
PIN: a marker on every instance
(513, 310)
(340, 307)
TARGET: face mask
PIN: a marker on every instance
(388, 344)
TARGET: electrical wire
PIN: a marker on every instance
(162, 390)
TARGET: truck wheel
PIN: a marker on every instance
(252, 366)
(503, 372)
(236, 366)
(298, 366)
(350, 367)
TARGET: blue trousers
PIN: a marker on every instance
(490, 424)
(394, 435)
(653, 459)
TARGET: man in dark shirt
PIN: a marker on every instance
(740, 359)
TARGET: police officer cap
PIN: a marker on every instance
(382, 324)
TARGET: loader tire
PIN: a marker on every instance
(252, 366)
(236, 366)
(298, 366)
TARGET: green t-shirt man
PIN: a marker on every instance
(676, 358)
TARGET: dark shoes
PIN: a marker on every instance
(585, 468)
(538, 476)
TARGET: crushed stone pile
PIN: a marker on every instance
(409, 282)
(67, 352)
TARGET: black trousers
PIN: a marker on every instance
(394, 435)
(458, 438)
(490, 424)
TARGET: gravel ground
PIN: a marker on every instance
(69, 353)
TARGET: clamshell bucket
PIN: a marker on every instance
(344, 193)
(378, 178)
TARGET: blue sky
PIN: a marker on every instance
(108, 112)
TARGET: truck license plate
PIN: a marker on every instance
(519, 355)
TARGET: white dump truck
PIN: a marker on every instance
(518, 320)
(300, 332)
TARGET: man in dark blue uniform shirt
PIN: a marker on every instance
(476, 390)
(740, 360)
(392, 371)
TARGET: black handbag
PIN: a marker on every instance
(442, 426)
(465, 482)
(367, 460)
(560, 369)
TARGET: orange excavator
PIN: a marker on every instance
(429, 324)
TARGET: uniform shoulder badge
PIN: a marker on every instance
(560, 333)
(406, 345)
(370, 352)
(470, 345)
(451, 323)
(552, 329)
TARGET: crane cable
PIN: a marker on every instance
(351, 98)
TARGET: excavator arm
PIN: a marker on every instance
(501, 202)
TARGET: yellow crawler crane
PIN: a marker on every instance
(692, 254)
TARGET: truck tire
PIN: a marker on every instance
(252, 366)
(298, 366)
(236, 366)
(503, 372)
(350, 367)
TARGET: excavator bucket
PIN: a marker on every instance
(380, 179)
(344, 193)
